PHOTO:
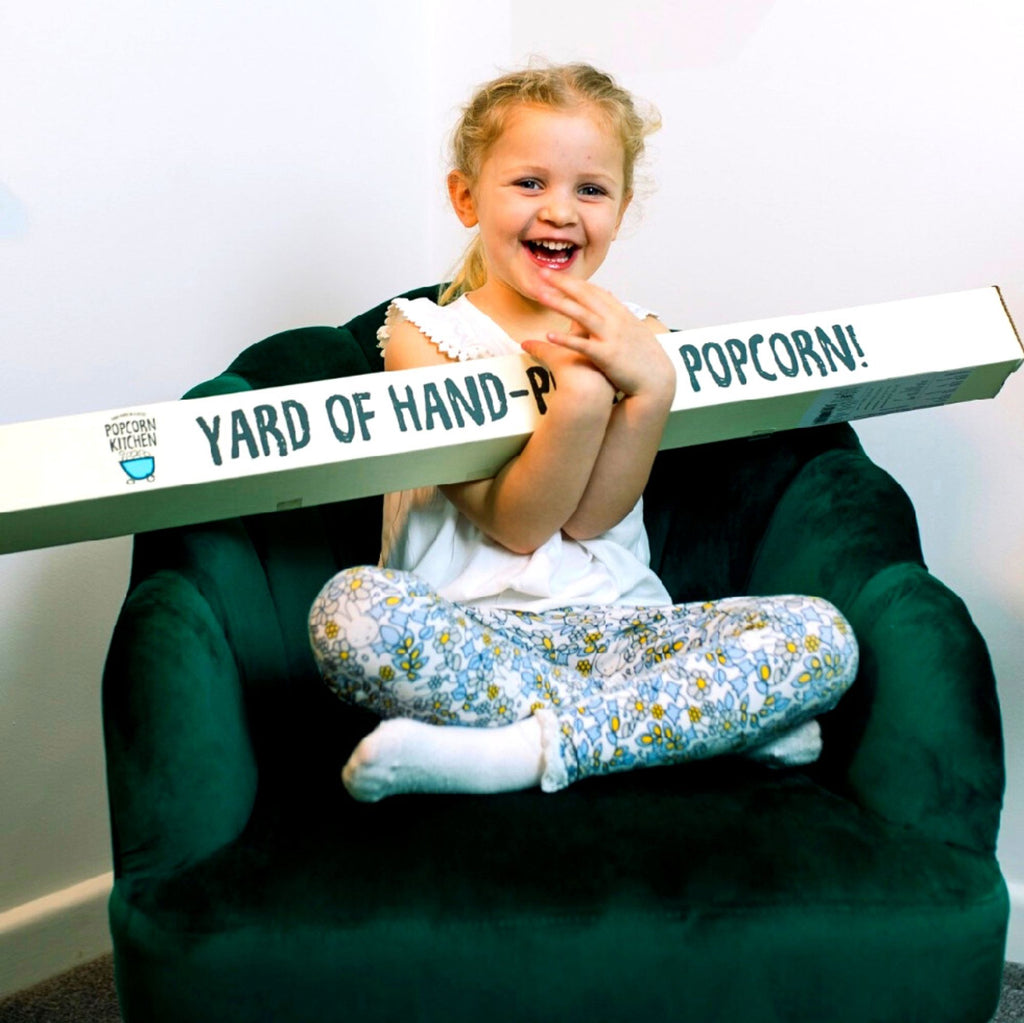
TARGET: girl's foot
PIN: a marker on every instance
(797, 746)
(402, 756)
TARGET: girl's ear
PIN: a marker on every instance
(626, 200)
(462, 198)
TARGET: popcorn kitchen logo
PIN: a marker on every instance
(132, 440)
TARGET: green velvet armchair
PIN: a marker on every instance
(251, 887)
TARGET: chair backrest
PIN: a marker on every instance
(707, 507)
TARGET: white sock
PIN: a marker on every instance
(401, 755)
(799, 745)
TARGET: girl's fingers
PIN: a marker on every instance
(575, 286)
(594, 311)
(536, 349)
(583, 318)
(574, 342)
(584, 294)
(548, 351)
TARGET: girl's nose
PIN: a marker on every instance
(559, 211)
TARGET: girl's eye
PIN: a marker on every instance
(592, 191)
(529, 183)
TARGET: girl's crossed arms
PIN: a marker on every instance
(589, 458)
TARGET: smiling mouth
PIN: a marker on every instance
(556, 255)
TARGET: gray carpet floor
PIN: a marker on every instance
(86, 995)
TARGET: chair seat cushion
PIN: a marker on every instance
(677, 891)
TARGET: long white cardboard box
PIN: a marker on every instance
(104, 474)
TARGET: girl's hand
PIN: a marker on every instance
(603, 330)
(577, 380)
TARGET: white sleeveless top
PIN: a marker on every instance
(426, 534)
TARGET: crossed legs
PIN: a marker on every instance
(552, 697)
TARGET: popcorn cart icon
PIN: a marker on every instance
(139, 468)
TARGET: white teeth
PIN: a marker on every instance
(555, 246)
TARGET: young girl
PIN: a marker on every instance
(516, 635)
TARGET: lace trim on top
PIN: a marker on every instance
(460, 330)
(453, 328)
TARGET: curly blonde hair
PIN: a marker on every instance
(559, 87)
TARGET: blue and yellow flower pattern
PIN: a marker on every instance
(629, 686)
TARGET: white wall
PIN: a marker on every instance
(177, 180)
(181, 179)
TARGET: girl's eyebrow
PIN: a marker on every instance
(527, 170)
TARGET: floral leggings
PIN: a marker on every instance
(616, 687)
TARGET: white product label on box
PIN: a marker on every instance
(882, 397)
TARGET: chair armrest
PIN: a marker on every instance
(201, 658)
(918, 737)
(922, 740)
(180, 766)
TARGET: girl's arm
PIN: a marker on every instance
(622, 468)
(536, 492)
(627, 352)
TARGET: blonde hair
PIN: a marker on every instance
(559, 87)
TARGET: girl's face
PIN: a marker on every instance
(550, 193)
